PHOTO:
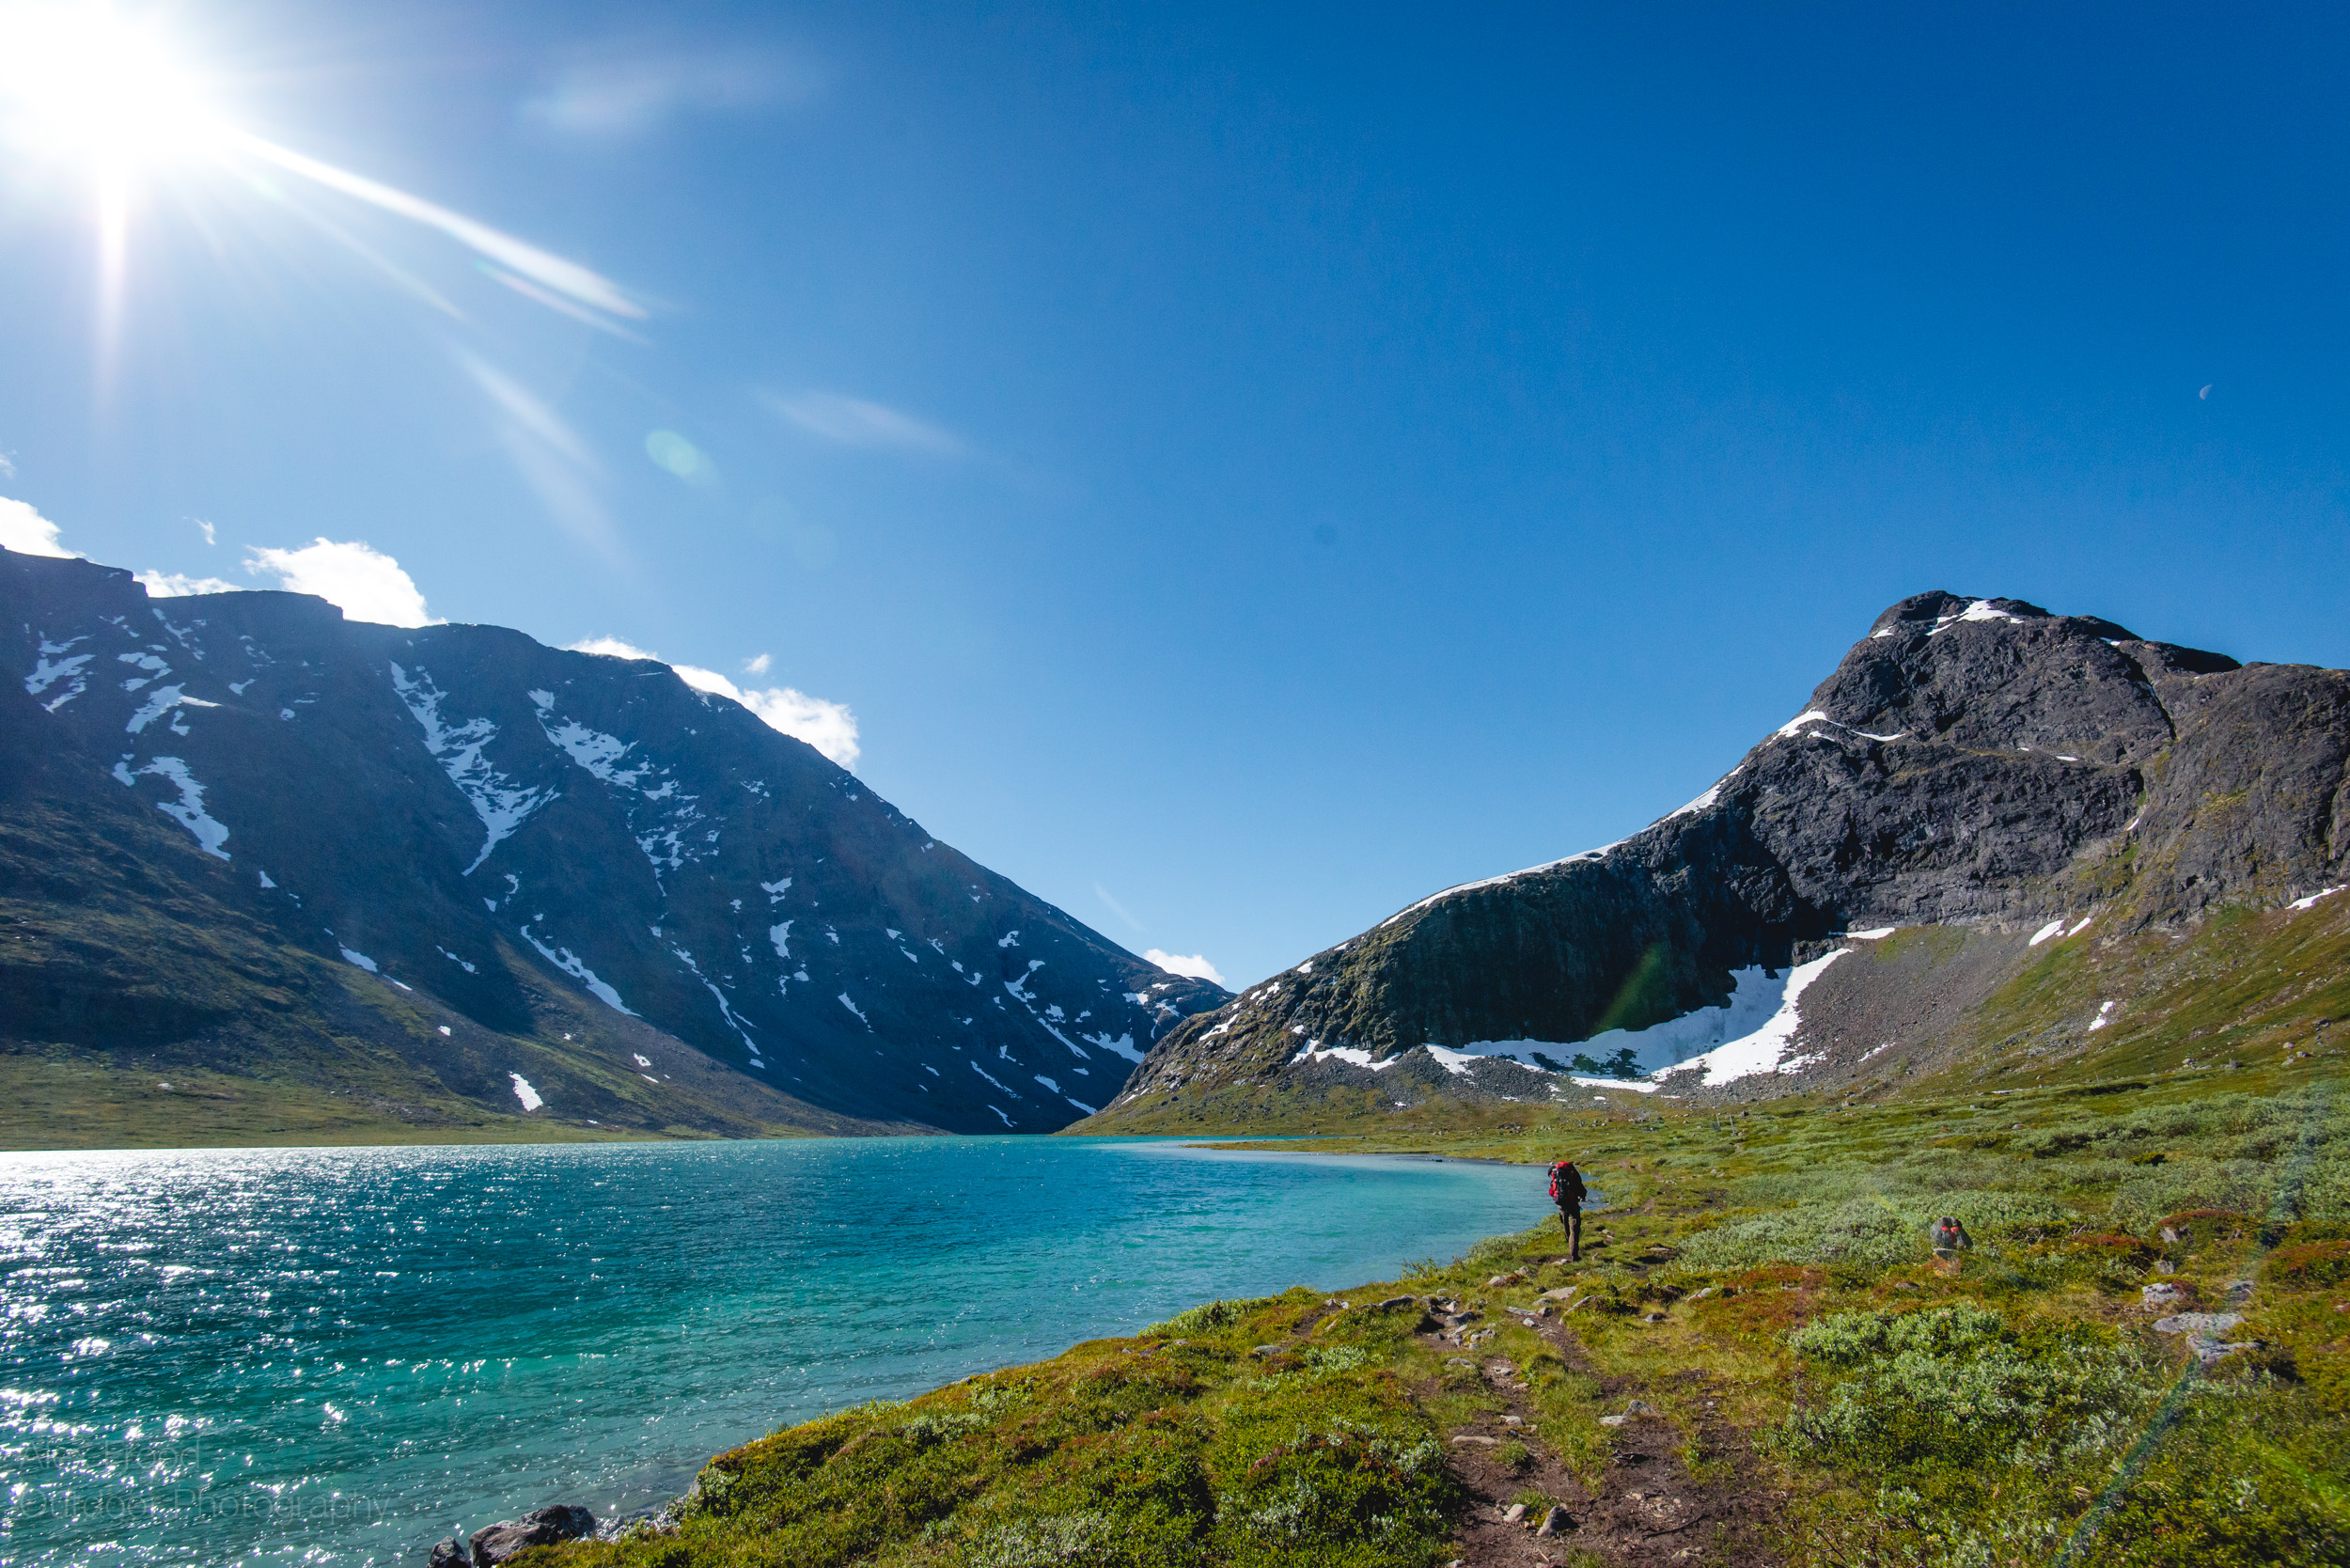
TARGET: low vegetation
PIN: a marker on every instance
(1825, 1389)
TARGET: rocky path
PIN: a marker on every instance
(1648, 1508)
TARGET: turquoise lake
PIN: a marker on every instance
(341, 1356)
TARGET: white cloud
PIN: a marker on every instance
(1194, 967)
(366, 583)
(612, 647)
(829, 727)
(857, 422)
(170, 584)
(211, 535)
(28, 532)
(758, 665)
(8, 469)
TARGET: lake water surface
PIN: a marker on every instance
(341, 1356)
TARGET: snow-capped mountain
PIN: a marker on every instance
(1977, 765)
(203, 800)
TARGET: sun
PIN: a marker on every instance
(98, 98)
(82, 83)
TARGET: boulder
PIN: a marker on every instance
(450, 1553)
(2208, 1351)
(541, 1527)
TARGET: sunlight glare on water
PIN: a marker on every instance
(340, 1356)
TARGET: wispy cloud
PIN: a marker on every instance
(859, 422)
(1114, 908)
(28, 532)
(211, 535)
(759, 666)
(366, 583)
(829, 727)
(171, 585)
(1196, 966)
(632, 90)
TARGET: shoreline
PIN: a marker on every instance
(1672, 1372)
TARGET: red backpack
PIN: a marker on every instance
(1566, 1185)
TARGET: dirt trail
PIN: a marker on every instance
(1648, 1508)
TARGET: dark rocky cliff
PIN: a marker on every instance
(204, 800)
(1970, 762)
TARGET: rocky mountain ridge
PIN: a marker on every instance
(1977, 765)
(234, 820)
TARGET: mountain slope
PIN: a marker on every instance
(236, 829)
(1976, 764)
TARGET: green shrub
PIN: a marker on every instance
(2127, 1252)
(1211, 1315)
(1868, 1232)
(2310, 1265)
(1956, 1386)
(1072, 1540)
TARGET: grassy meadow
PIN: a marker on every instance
(1801, 1380)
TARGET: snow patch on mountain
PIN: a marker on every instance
(501, 803)
(48, 671)
(596, 751)
(1762, 1049)
(998, 1082)
(563, 959)
(188, 810)
(162, 701)
(1122, 1045)
(1316, 1051)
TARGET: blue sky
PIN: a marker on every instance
(1242, 472)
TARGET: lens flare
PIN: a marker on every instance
(103, 96)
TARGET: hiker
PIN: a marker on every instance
(1566, 1190)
